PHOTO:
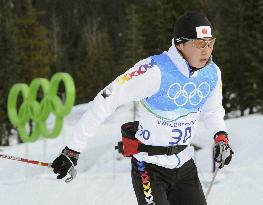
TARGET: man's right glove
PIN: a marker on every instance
(65, 164)
(222, 151)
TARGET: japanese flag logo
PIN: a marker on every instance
(203, 32)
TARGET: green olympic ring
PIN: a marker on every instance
(38, 112)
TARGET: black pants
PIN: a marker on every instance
(161, 186)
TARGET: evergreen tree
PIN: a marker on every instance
(225, 45)
(32, 45)
(133, 49)
(252, 58)
(157, 18)
(232, 54)
(95, 68)
(8, 65)
(255, 54)
(130, 30)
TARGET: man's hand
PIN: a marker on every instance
(222, 151)
(64, 164)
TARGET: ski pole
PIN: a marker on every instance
(223, 157)
(72, 171)
(45, 164)
(211, 183)
(221, 165)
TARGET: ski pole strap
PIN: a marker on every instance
(73, 173)
(159, 150)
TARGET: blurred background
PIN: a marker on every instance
(97, 40)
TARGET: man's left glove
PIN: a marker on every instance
(64, 164)
(222, 150)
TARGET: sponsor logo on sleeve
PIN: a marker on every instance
(141, 70)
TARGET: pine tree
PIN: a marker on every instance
(32, 45)
(252, 56)
(95, 68)
(233, 54)
(157, 18)
(133, 49)
(238, 49)
(227, 39)
(24, 52)
(8, 65)
(258, 50)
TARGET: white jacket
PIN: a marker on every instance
(144, 82)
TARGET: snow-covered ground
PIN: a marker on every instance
(104, 176)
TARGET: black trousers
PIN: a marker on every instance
(157, 185)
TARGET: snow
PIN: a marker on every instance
(104, 176)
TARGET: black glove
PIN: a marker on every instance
(65, 164)
(222, 150)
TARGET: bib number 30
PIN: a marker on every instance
(181, 135)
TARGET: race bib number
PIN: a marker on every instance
(179, 135)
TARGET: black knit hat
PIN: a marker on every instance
(191, 25)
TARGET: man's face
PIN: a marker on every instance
(198, 51)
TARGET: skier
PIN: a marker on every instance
(175, 90)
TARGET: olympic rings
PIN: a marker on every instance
(31, 110)
(188, 93)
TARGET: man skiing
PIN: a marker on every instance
(175, 90)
